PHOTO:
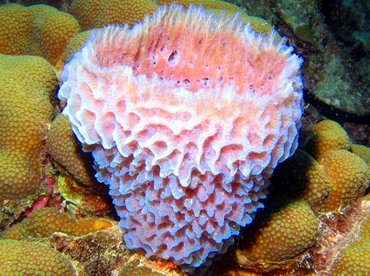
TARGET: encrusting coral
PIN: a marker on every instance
(76, 184)
(104, 253)
(278, 236)
(31, 258)
(351, 261)
(35, 30)
(178, 212)
(185, 132)
(98, 13)
(73, 46)
(332, 181)
(334, 188)
(92, 199)
(365, 227)
(348, 178)
(354, 258)
(302, 176)
(299, 19)
(257, 23)
(208, 4)
(328, 135)
(65, 151)
(134, 268)
(27, 83)
(363, 152)
(45, 221)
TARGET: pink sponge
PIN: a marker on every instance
(186, 115)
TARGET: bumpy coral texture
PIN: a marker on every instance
(30, 258)
(27, 83)
(135, 268)
(365, 228)
(280, 237)
(258, 24)
(46, 221)
(354, 260)
(213, 4)
(65, 151)
(362, 151)
(73, 46)
(219, 8)
(302, 176)
(348, 178)
(328, 135)
(184, 130)
(97, 13)
(36, 30)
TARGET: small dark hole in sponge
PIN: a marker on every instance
(173, 57)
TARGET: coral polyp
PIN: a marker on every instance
(32, 258)
(186, 115)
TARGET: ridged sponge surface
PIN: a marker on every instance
(186, 115)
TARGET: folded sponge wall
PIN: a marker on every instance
(186, 115)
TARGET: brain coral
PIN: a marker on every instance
(30, 258)
(97, 13)
(185, 131)
(25, 112)
(36, 30)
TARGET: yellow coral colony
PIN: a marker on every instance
(32, 258)
(27, 83)
(97, 13)
(36, 30)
